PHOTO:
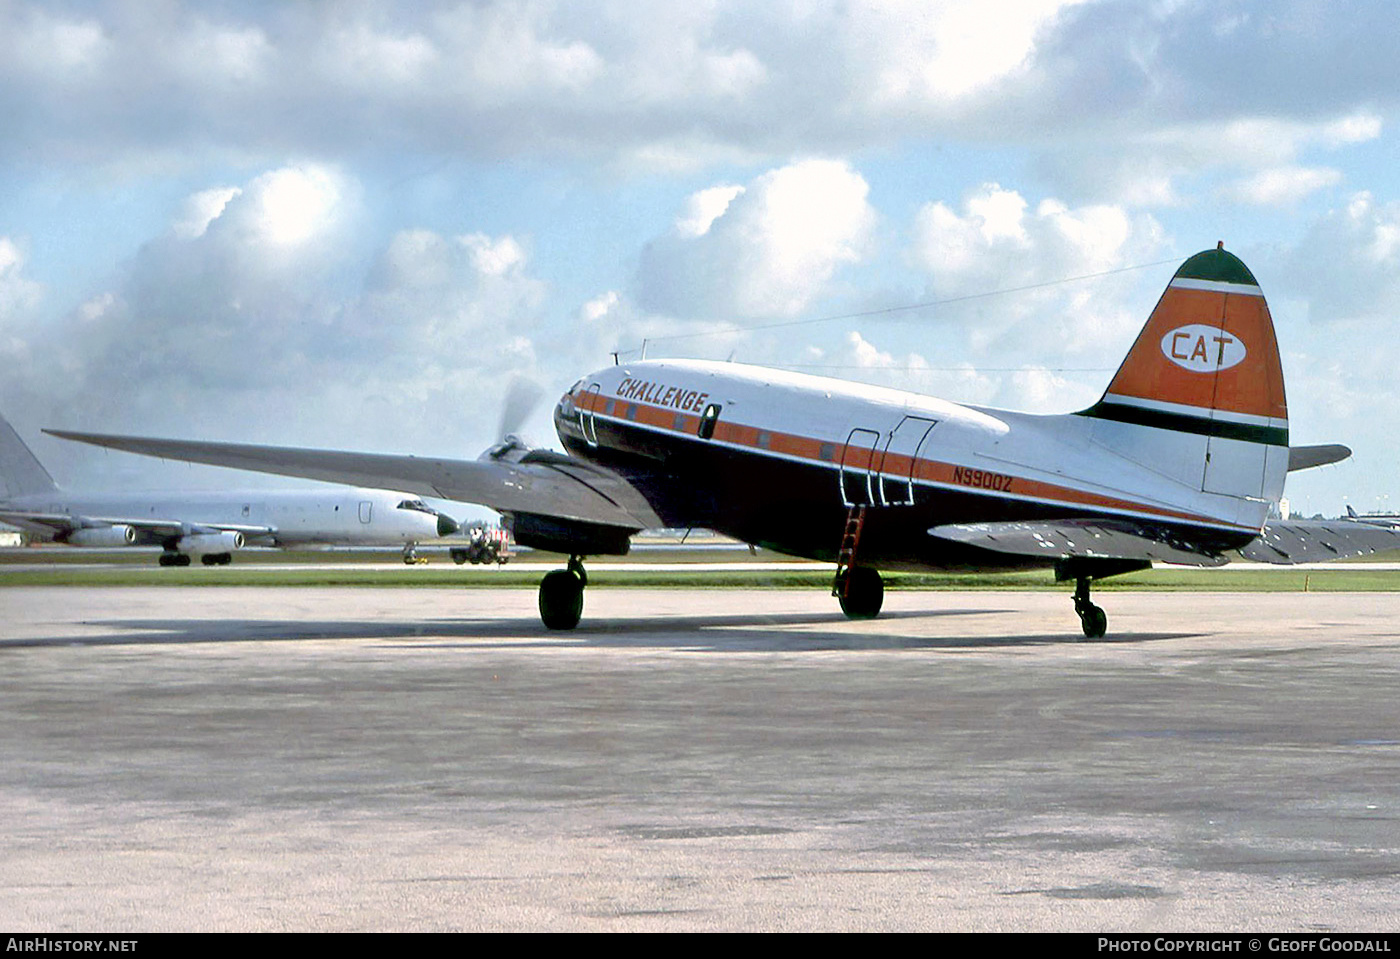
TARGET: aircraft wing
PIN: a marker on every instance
(546, 484)
(148, 528)
(1081, 539)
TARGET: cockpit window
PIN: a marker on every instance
(415, 504)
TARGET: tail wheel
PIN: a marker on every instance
(1092, 618)
(1095, 622)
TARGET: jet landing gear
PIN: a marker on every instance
(561, 595)
(1091, 617)
(861, 592)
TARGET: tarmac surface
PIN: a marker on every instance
(377, 759)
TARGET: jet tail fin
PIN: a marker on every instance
(1200, 397)
(20, 470)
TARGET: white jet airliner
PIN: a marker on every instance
(210, 525)
(1179, 461)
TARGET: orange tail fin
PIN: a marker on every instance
(1207, 364)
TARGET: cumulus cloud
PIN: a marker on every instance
(765, 249)
(998, 241)
(1347, 266)
(239, 323)
(18, 294)
(700, 82)
(1280, 186)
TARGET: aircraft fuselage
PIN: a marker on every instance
(297, 518)
(779, 459)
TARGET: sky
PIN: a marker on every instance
(364, 225)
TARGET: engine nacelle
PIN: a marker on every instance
(197, 544)
(569, 536)
(118, 535)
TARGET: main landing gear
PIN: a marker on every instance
(861, 592)
(561, 595)
(1091, 617)
(173, 558)
(859, 588)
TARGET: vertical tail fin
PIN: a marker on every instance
(20, 471)
(1204, 378)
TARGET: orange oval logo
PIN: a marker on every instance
(1203, 349)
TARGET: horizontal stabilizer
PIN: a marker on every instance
(1306, 457)
(571, 490)
(1081, 539)
(1290, 543)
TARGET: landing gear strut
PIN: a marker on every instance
(861, 592)
(1091, 617)
(561, 595)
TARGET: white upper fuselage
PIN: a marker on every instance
(1059, 460)
(331, 517)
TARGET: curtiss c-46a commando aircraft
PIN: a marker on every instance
(1179, 462)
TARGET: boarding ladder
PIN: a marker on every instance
(850, 542)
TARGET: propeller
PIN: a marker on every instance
(523, 395)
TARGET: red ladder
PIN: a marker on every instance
(846, 558)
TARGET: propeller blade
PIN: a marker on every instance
(522, 396)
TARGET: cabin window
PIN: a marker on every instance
(765, 439)
(609, 407)
(632, 411)
(827, 451)
(708, 419)
(679, 422)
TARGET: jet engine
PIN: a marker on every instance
(198, 544)
(118, 535)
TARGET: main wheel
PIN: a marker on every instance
(561, 599)
(862, 594)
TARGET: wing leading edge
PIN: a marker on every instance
(546, 485)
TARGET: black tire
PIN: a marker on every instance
(1095, 622)
(561, 599)
(864, 593)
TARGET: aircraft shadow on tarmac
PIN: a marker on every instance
(735, 632)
